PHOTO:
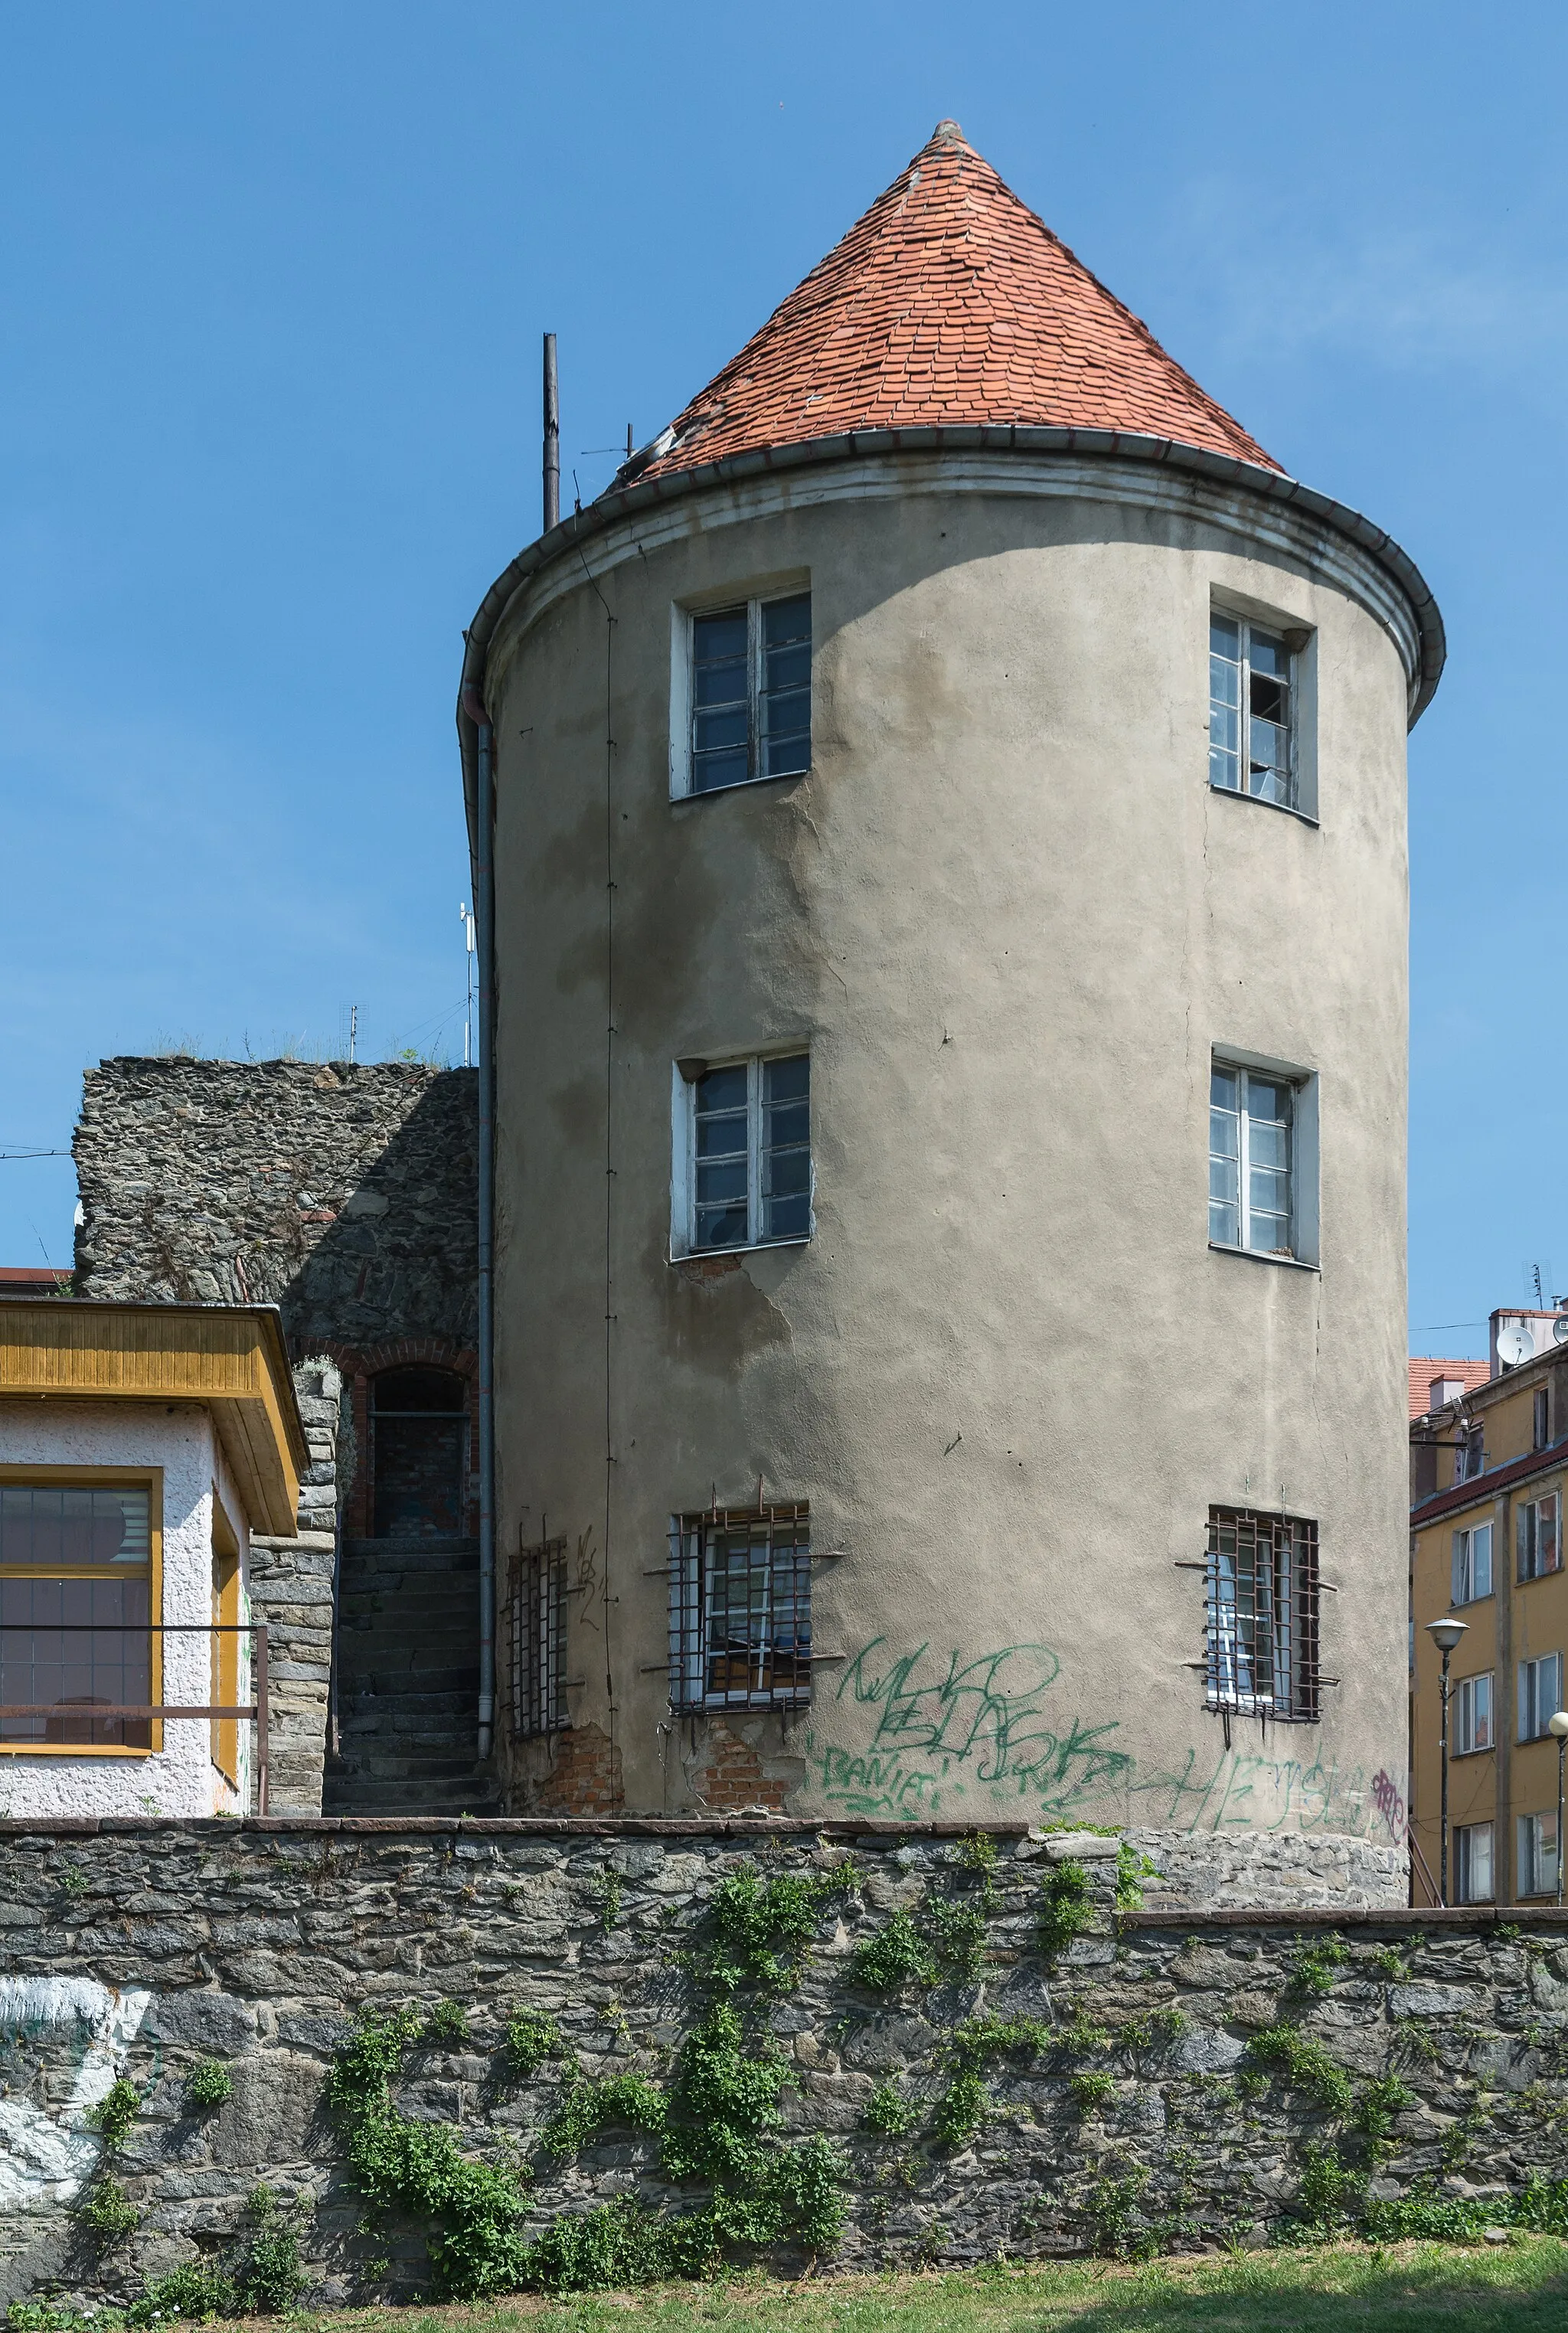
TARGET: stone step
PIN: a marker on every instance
(475, 1795)
(373, 1700)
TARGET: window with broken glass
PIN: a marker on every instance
(1261, 1620)
(537, 1638)
(1251, 711)
(749, 1157)
(751, 693)
(1251, 1145)
(740, 1609)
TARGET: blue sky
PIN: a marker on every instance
(272, 282)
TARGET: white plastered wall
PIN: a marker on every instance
(180, 1779)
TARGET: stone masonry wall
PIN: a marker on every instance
(291, 1587)
(346, 1194)
(1136, 2113)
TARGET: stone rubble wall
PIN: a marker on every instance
(155, 1945)
(345, 1193)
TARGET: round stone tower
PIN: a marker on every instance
(950, 958)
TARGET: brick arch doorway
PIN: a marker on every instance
(418, 1452)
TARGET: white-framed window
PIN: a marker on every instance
(743, 1153)
(1472, 1713)
(1473, 1863)
(1472, 1567)
(1252, 710)
(1538, 1846)
(1540, 1694)
(1469, 1452)
(1261, 1160)
(741, 694)
(1538, 1532)
(740, 1609)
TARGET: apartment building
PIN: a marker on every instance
(1488, 1470)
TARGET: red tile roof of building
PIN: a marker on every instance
(1469, 1373)
(950, 304)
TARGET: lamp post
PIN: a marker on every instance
(1557, 1726)
(1445, 1634)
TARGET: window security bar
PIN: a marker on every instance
(1261, 1616)
(740, 1609)
(93, 1712)
(536, 1595)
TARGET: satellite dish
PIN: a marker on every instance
(1560, 1329)
(1514, 1346)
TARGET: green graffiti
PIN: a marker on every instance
(1232, 1792)
(946, 1732)
(985, 1715)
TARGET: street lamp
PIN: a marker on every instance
(1445, 1634)
(1558, 1727)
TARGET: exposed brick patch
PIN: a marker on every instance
(586, 1777)
(733, 1776)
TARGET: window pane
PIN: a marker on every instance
(1225, 704)
(785, 711)
(722, 1180)
(719, 638)
(70, 1673)
(786, 1148)
(722, 1089)
(1481, 1559)
(1267, 653)
(721, 1227)
(55, 1523)
(786, 621)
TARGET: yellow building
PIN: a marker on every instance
(1489, 1472)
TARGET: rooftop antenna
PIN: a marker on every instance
(552, 437)
(467, 915)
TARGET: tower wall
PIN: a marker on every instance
(1013, 922)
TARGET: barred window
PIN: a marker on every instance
(740, 1609)
(1261, 1654)
(536, 1637)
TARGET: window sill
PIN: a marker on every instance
(752, 1247)
(1486, 1751)
(1262, 801)
(741, 785)
(1263, 1255)
(74, 1748)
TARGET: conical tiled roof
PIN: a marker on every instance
(948, 303)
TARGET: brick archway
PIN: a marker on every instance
(362, 1363)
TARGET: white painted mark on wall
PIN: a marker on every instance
(46, 2159)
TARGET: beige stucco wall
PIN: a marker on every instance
(1013, 922)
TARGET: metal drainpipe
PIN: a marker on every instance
(485, 918)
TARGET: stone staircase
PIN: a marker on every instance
(409, 1681)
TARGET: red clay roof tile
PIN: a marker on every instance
(949, 302)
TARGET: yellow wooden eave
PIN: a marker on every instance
(229, 1357)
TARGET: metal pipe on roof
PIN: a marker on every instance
(552, 437)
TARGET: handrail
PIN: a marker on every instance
(1414, 1845)
(260, 1708)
